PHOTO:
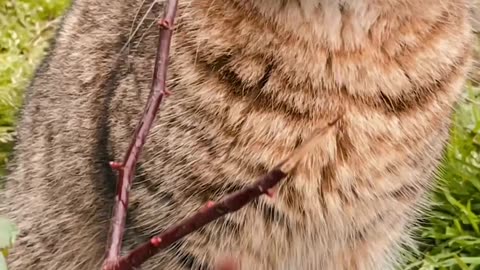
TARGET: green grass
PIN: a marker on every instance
(450, 236)
(26, 27)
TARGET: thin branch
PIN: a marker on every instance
(212, 211)
(126, 169)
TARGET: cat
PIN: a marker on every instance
(250, 81)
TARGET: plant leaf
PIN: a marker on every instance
(3, 262)
(8, 234)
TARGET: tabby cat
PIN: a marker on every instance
(251, 80)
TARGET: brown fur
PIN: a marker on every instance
(251, 80)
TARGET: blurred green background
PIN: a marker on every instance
(450, 235)
(25, 29)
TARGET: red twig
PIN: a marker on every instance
(212, 211)
(126, 169)
(208, 213)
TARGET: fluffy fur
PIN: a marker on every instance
(251, 80)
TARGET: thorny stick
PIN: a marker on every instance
(126, 169)
(212, 211)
